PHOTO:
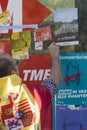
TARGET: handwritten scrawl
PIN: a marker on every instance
(73, 73)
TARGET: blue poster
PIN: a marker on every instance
(71, 118)
(73, 89)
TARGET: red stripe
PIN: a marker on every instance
(72, 77)
(20, 104)
(21, 107)
(24, 109)
(4, 4)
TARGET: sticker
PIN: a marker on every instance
(13, 124)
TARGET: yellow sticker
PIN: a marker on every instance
(5, 18)
(15, 36)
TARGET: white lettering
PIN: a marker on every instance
(26, 72)
(46, 74)
(36, 74)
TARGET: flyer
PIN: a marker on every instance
(66, 30)
(20, 45)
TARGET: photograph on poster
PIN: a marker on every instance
(42, 34)
(66, 27)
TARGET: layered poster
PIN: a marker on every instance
(5, 19)
(73, 89)
(20, 45)
(42, 36)
(71, 118)
(66, 27)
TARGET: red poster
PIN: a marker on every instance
(23, 12)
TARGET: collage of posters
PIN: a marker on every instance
(27, 32)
